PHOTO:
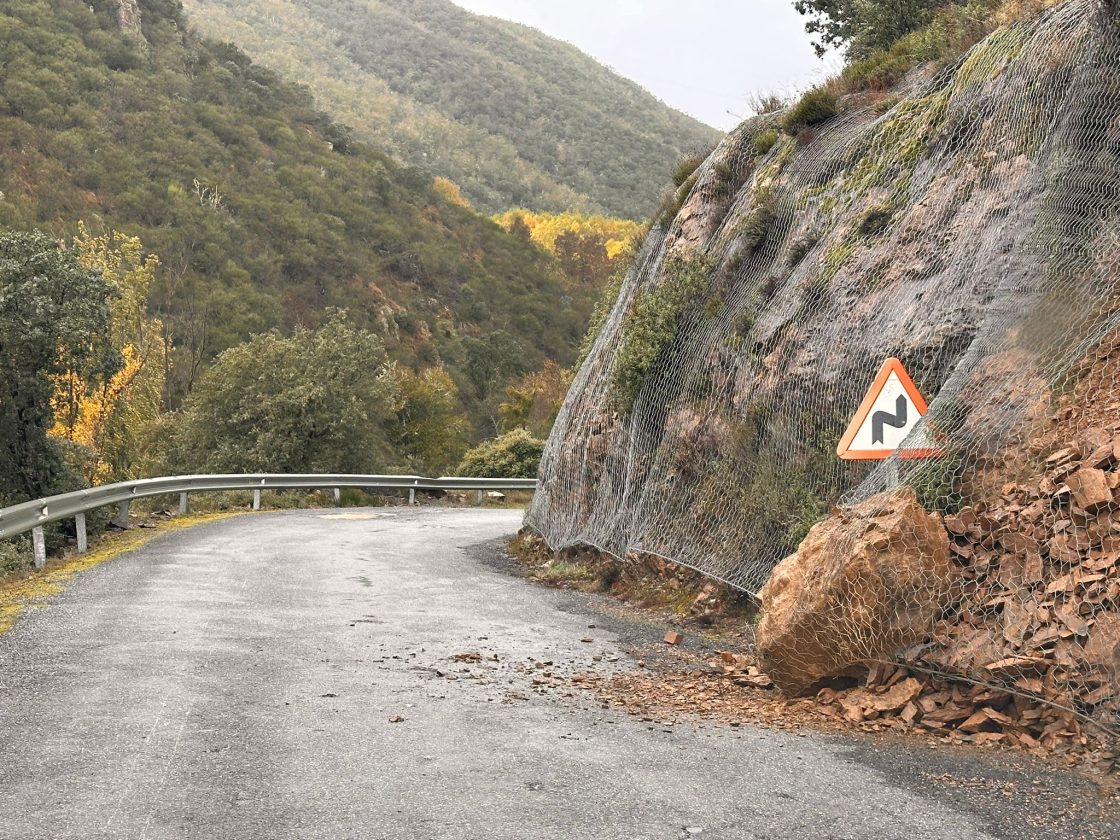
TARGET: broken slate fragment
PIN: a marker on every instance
(1090, 489)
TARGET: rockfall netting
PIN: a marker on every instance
(966, 223)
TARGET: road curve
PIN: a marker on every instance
(239, 679)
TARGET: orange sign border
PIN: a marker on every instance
(895, 366)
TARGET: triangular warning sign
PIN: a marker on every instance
(886, 416)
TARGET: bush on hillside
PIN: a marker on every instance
(764, 142)
(815, 107)
(516, 454)
(652, 325)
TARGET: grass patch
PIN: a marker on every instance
(561, 571)
(751, 232)
(817, 106)
(764, 142)
(686, 167)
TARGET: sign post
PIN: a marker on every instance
(886, 417)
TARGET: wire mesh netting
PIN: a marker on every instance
(967, 225)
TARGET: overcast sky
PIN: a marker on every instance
(703, 57)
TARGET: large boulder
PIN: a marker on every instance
(863, 585)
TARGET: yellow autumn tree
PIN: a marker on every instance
(115, 420)
(588, 247)
(545, 228)
(449, 191)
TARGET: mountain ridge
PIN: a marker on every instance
(548, 135)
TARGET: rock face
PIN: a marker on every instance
(965, 224)
(864, 584)
(128, 17)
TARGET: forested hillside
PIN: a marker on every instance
(262, 211)
(515, 118)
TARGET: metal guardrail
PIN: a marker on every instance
(33, 515)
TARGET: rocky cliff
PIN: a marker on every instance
(964, 221)
(129, 18)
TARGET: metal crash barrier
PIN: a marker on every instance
(33, 515)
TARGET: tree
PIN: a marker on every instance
(589, 248)
(583, 257)
(860, 27)
(535, 399)
(430, 431)
(516, 454)
(491, 359)
(54, 324)
(317, 401)
(519, 229)
(449, 191)
(114, 418)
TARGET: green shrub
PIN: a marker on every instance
(652, 326)
(802, 247)
(516, 454)
(817, 106)
(764, 142)
(937, 483)
(15, 556)
(752, 231)
(603, 306)
(673, 202)
(730, 175)
(744, 322)
(686, 167)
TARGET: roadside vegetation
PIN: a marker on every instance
(516, 454)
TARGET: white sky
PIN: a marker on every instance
(703, 57)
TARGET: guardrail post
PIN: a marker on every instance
(39, 546)
(412, 495)
(183, 505)
(256, 499)
(80, 532)
(121, 519)
(337, 496)
(478, 497)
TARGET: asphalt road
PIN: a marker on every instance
(241, 679)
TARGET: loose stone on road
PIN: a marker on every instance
(366, 674)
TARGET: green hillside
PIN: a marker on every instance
(517, 119)
(263, 212)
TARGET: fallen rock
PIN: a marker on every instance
(1090, 489)
(673, 638)
(893, 699)
(864, 584)
(1102, 649)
